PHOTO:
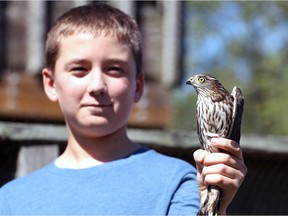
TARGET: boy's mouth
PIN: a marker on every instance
(97, 105)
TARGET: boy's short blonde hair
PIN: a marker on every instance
(95, 19)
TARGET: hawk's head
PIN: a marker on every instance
(207, 86)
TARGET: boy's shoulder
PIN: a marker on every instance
(159, 162)
(156, 156)
(29, 180)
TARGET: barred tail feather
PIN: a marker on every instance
(211, 205)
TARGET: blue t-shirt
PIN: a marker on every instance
(144, 183)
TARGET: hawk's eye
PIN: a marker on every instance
(201, 79)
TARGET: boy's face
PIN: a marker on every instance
(95, 83)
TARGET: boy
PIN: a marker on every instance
(93, 70)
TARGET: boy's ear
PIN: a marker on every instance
(49, 84)
(139, 87)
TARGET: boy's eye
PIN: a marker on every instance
(76, 66)
(78, 71)
(115, 71)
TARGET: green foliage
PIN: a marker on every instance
(249, 38)
(183, 116)
(267, 97)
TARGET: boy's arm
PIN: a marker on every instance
(185, 200)
(224, 169)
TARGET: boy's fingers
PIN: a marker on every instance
(228, 146)
(199, 156)
(222, 158)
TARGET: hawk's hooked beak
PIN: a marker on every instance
(190, 81)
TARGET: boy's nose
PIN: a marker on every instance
(97, 85)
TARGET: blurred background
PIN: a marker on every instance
(242, 43)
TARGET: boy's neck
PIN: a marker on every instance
(87, 152)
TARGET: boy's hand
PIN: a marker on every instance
(224, 169)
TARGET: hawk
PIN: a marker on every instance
(218, 114)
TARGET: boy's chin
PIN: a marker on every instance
(100, 128)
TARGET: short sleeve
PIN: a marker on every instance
(186, 200)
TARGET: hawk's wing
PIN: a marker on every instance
(238, 106)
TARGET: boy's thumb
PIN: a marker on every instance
(199, 156)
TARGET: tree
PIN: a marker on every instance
(241, 43)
